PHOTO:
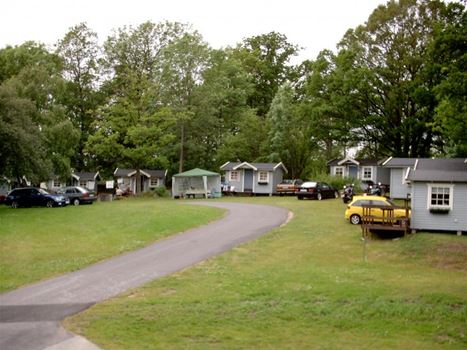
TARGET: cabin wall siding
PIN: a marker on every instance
(422, 219)
(398, 189)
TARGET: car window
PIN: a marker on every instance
(361, 203)
(380, 203)
(34, 191)
(324, 186)
(70, 190)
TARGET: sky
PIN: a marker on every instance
(313, 25)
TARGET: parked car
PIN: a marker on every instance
(354, 210)
(316, 190)
(288, 187)
(32, 196)
(78, 195)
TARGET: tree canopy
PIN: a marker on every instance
(156, 95)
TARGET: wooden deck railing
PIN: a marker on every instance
(384, 220)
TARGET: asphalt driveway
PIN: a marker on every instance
(30, 316)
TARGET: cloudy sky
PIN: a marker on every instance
(311, 24)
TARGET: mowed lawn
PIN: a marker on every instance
(38, 243)
(302, 286)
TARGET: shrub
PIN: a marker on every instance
(337, 181)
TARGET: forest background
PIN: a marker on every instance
(156, 95)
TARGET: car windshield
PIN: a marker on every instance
(309, 184)
(42, 191)
(82, 189)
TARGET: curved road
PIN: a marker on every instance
(30, 316)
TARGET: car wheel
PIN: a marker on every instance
(336, 194)
(319, 196)
(14, 205)
(300, 197)
(76, 201)
(355, 219)
(50, 204)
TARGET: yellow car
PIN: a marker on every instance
(354, 210)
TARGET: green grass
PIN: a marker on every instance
(37, 243)
(302, 286)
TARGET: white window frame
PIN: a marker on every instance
(430, 205)
(56, 183)
(260, 175)
(83, 183)
(364, 169)
(235, 178)
(341, 168)
(154, 182)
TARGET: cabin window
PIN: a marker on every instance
(154, 182)
(83, 183)
(367, 173)
(339, 171)
(57, 183)
(440, 196)
(263, 177)
(234, 175)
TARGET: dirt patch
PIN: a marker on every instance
(451, 256)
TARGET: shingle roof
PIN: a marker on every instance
(360, 161)
(399, 162)
(247, 165)
(85, 176)
(439, 170)
(130, 172)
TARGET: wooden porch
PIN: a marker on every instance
(382, 218)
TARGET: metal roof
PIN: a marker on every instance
(196, 173)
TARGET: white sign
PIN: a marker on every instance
(109, 184)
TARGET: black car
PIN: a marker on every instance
(32, 196)
(78, 195)
(316, 190)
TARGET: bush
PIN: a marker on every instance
(337, 181)
(160, 192)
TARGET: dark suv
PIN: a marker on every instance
(32, 196)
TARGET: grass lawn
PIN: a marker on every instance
(302, 286)
(37, 243)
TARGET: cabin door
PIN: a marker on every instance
(248, 181)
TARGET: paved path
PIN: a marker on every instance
(30, 316)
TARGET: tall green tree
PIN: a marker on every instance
(390, 91)
(266, 58)
(79, 52)
(31, 95)
(135, 124)
(448, 66)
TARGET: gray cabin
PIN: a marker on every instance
(85, 179)
(255, 178)
(439, 194)
(150, 179)
(365, 170)
(400, 187)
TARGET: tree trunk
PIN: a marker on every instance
(182, 141)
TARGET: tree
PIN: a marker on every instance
(266, 59)
(386, 78)
(79, 52)
(30, 98)
(448, 54)
(135, 124)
